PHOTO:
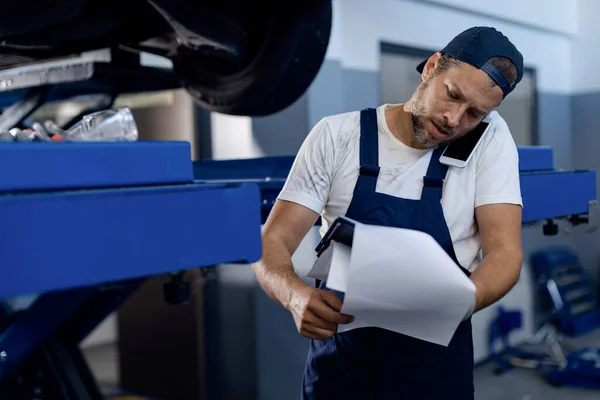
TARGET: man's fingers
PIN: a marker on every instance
(317, 333)
(331, 299)
(324, 311)
(336, 304)
(313, 319)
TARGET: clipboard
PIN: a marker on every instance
(341, 230)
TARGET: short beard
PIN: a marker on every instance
(416, 111)
(421, 134)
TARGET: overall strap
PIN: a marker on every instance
(433, 181)
(369, 148)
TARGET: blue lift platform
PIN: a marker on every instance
(83, 224)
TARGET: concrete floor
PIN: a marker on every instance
(516, 384)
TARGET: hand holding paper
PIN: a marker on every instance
(398, 279)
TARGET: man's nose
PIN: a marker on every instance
(454, 115)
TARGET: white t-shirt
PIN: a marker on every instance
(326, 167)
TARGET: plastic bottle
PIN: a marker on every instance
(107, 125)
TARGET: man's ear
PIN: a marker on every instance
(430, 65)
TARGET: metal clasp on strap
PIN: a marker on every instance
(433, 182)
(369, 170)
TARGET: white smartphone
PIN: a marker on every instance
(459, 153)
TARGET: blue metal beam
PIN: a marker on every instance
(546, 193)
(62, 240)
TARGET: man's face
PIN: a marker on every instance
(448, 105)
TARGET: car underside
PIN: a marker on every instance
(232, 56)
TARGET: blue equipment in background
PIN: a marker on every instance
(573, 301)
(505, 356)
(574, 312)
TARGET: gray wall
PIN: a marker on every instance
(282, 133)
(585, 152)
(338, 90)
(555, 127)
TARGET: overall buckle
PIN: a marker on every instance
(369, 170)
(433, 182)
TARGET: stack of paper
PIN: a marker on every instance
(397, 279)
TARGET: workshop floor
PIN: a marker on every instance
(516, 384)
(523, 385)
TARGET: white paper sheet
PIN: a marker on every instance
(339, 267)
(401, 280)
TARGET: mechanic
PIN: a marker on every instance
(396, 147)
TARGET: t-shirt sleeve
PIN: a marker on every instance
(309, 180)
(497, 178)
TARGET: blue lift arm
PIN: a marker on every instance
(548, 194)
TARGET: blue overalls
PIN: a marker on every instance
(373, 363)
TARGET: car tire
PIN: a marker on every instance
(290, 56)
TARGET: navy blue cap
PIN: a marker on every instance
(477, 45)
